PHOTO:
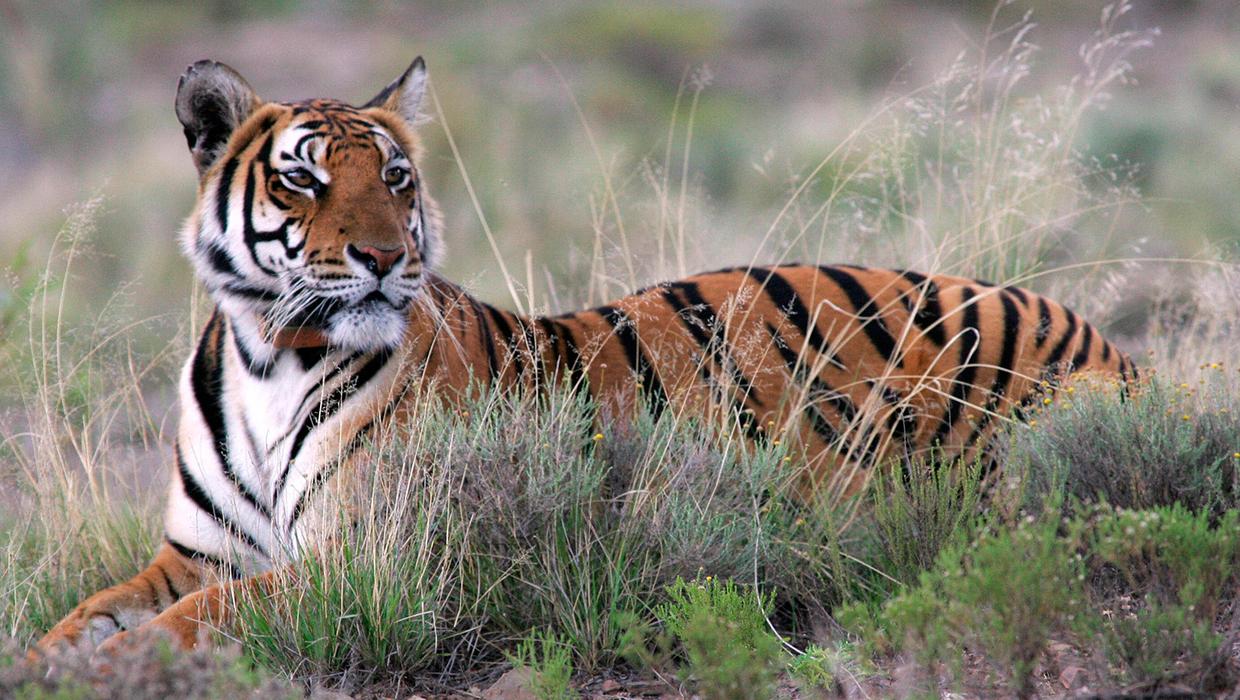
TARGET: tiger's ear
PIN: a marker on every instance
(212, 101)
(403, 95)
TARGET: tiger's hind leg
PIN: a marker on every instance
(170, 576)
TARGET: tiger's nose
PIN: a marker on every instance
(379, 261)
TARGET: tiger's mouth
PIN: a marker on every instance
(374, 322)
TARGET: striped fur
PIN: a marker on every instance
(850, 365)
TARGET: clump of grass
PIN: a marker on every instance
(1157, 444)
(512, 512)
(549, 662)
(917, 509)
(78, 409)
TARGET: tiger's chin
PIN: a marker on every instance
(367, 327)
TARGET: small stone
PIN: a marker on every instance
(321, 693)
(610, 686)
(514, 685)
(1070, 675)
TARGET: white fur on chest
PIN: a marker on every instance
(272, 453)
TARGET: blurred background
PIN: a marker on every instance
(585, 127)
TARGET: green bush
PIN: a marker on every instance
(1177, 571)
(549, 661)
(814, 668)
(1002, 595)
(723, 631)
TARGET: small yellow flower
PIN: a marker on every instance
(708, 579)
(1033, 423)
(598, 436)
(1186, 417)
(1071, 390)
(775, 443)
(465, 414)
(1236, 455)
(1046, 401)
(787, 459)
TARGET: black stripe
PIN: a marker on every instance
(220, 260)
(703, 317)
(222, 193)
(488, 342)
(865, 308)
(1020, 294)
(200, 498)
(310, 394)
(1044, 323)
(785, 298)
(328, 408)
(1106, 350)
(1061, 347)
(531, 345)
(256, 369)
(929, 314)
(506, 335)
(1082, 356)
(553, 341)
(172, 589)
(970, 344)
(311, 357)
(248, 292)
(206, 380)
(212, 561)
(325, 473)
(1005, 368)
(626, 333)
(576, 367)
(821, 391)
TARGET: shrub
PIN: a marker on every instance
(550, 664)
(1178, 571)
(150, 670)
(1003, 596)
(1162, 444)
(724, 633)
(814, 668)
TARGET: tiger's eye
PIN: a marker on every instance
(395, 176)
(299, 177)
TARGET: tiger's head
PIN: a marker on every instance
(311, 216)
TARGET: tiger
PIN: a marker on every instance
(318, 243)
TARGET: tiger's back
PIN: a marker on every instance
(854, 364)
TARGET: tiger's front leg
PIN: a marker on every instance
(187, 621)
(170, 577)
